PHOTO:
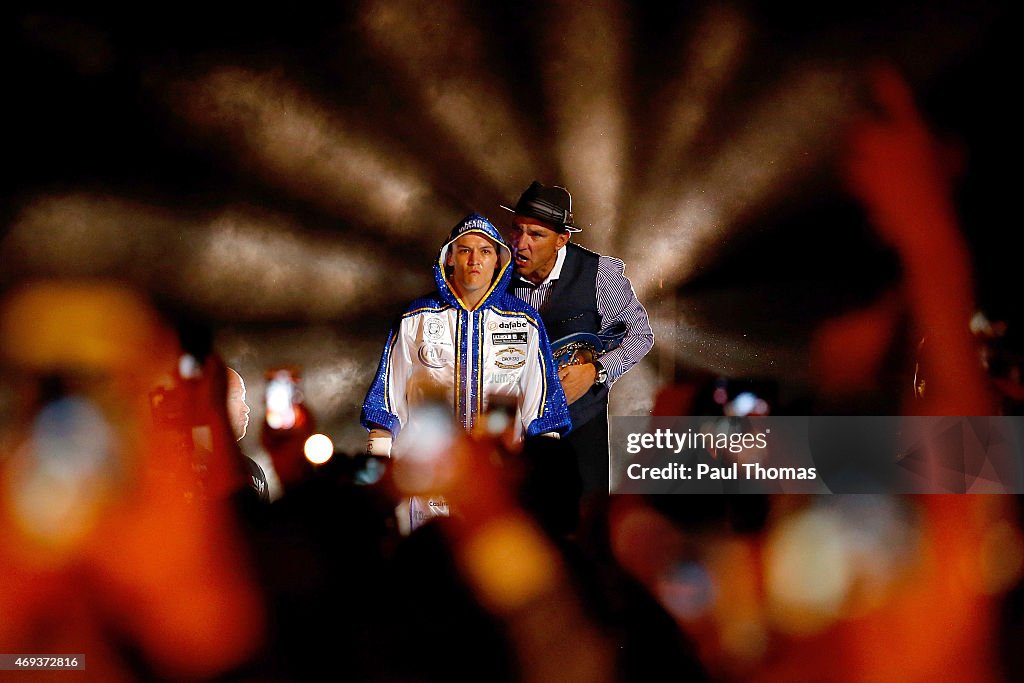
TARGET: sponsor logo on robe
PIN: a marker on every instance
(434, 328)
(507, 325)
(431, 356)
(498, 338)
(510, 358)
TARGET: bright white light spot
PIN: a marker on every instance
(318, 449)
(808, 572)
(742, 404)
(497, 422)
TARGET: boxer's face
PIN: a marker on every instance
(474, 259)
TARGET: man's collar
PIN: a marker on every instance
(556, 270)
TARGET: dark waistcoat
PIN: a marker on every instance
(571, 307)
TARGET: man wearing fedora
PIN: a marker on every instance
(577, 291)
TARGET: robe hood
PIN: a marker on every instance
(473, 223)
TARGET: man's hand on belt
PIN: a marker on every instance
(577, 380)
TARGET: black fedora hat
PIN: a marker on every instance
(551, 205)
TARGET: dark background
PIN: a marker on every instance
(118, 166)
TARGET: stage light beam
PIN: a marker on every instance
(707, 65)
(586, 59)
(300, 145)
(789, 135)
(239, 263)
(441, 56)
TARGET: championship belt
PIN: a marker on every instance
(586, 347)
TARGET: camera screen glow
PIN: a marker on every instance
(280, 412)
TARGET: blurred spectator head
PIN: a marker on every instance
(238, 409)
